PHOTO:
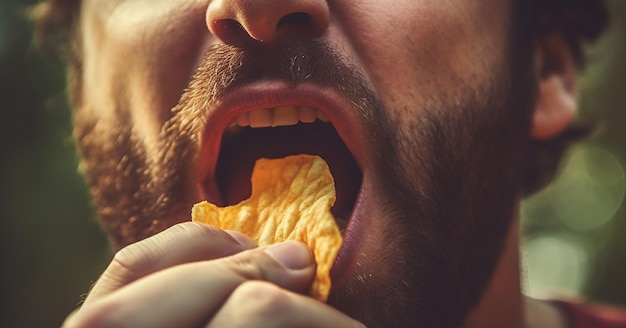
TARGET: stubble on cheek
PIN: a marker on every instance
(121, 180)
(449, 177)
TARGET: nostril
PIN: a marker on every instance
(300, 24)
(229, 30)
(298, 20)
(266, 21)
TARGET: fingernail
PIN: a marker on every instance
(292, 255)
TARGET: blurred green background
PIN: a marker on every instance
(52, 248)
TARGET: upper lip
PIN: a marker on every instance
(339, 111)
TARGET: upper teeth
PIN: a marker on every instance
(279, 116)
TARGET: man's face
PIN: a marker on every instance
(422, 112)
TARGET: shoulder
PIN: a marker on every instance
(583, 314)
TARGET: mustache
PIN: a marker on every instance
(224, 68)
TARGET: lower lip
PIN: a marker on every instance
(351, 240)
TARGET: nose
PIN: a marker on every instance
(267, 21)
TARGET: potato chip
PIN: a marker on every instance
(291, 200)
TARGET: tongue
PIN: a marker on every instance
(241, 149)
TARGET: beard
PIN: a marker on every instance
(448, 178)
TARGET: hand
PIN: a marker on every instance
(193, 275)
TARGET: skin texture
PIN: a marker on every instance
(442, 112)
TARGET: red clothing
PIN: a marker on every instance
(585, 315)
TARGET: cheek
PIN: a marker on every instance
(138, 57)
(419, 48)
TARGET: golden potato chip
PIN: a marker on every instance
(291, 200)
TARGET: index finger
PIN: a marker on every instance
(181, 243)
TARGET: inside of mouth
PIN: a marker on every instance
(242, 146)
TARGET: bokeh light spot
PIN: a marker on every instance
(554, 264)
(590, 189)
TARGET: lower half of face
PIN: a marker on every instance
(429, 214)
(444, 193)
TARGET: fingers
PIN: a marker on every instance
(182, 243)
(188, 295)
(261, 304)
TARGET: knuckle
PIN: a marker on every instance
(193, 230)
(132, 259)
(94, 316)
(261, 299)
(202, 232)
(246, 267)
(139, 257)
(253, 265)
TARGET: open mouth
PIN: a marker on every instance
(278, 132)
(273, 120)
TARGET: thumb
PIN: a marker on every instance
(290, 265)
